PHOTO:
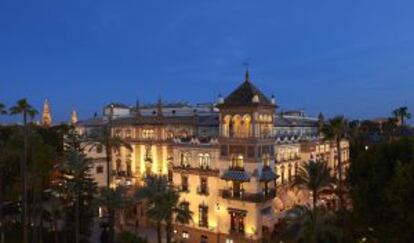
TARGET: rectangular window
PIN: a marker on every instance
(99, 170)
(204, 239)
(184, 183)
(203, 216)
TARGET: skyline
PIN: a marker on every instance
(353, 59)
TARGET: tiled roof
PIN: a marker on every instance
(268, 175)
(236, 175)
(244, 94)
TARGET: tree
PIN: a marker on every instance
(315, 177)
(303, 224)
(164, 204)
(113, 200)
(78, 190)
(103, 137)
(401, 113)
(382, 188)
(336, 129)
(3, 111)
(25, 109)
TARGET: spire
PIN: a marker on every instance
(74, 118)
(247, 75)
(46, 117)
(137, 108)
(159, 107)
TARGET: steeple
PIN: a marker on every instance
(74, 118)
(247, 76)
(159, 107)
(46, 117)
(137, 108)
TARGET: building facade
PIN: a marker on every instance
(233, 160)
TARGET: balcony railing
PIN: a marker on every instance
(197, 170)
(247, 196)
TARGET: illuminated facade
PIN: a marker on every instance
(233, 160)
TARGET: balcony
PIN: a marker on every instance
(205, 170)
(247, 196)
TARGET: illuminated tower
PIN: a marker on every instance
(46, 117)
(74, 118)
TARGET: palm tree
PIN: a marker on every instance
(76, 184)
(164, 205)
(25, 109)
(113, 200)
(3, 111)
(153, 191)
(401, 113)
(303, 224)
(103, 137)
(337, 129)
(315, 177)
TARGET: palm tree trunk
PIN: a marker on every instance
(159, 232)
(111, 222)
(168, 229)
(23, 175)
(2, 238)
(315, 198)
(55, 226)
(108, 150)
(108, 165)
(339, 155)
(77, 218)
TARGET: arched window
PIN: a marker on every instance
(236, 126)
(266, 160)
(237, 161)
(246, 126)
(282, 176)
(185, 159)
(148, 134)
(204, 160)
(226, 126)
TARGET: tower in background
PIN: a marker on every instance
(74, 118)
(46, 117)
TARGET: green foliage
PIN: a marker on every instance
(303, 224)
(315, 177)
(77, 192)
(382, 187)
(126, 237)
(164, 204)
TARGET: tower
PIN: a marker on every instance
(247, 157)
(74, 118)
(46, 117)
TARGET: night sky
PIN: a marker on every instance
(349, 57)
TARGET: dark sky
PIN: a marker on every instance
(349, 57)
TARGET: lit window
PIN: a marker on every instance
(237, 161)
(185, 235)
(147, 133)
(229, 241)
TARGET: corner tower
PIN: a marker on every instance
(247, 160)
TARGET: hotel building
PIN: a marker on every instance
(232, 160)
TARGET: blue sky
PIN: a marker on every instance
(340, 57)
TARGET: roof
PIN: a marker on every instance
(268, 175)
(236, 175)
(243, 95)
